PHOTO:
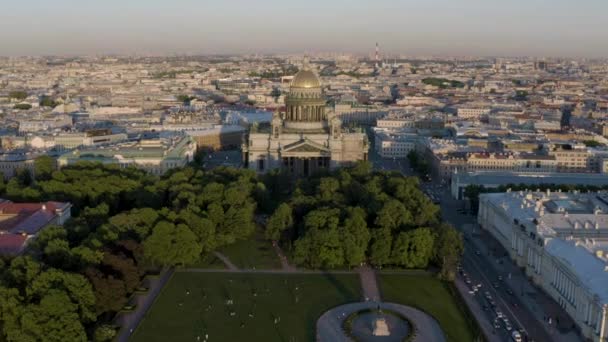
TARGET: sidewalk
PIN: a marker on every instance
(130, 321)
(369, 284)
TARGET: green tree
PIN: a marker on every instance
(202, 227)
(592, 143)
(96, 216)
(356, 237)
(327, 188)
(12, 310)
(380, 248)
(471, 192)
(23, 106)
(171, 245)
(47, 101)
(448, 251)
(280, 221)
(18, 95)
(55, 318)
(76, 287)
(22, 271)
(413, 249)
(136, 223)
(104, 333)
(43, 168)
(185, 99)
(393, 215)
(110, 292)
(320, 249)
(323, 218)
(2, 183)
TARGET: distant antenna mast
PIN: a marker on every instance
(377, 58)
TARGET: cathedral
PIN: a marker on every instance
(305, 138)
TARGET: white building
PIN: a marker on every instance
(154, 156)
(391, 144)
(396, 121)
(472, 112)
(561, 239)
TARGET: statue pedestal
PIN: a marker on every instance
(380, 328)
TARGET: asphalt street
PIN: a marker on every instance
(485, 263)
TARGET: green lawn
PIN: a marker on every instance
(209, 261)
(431, 296)
(177, 316)
(255, 252)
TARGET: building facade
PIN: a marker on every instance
(305, 138)
(561, 240)
(154, 156)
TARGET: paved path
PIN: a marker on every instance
(369, 284)
(285, 265)
(226, 261)
(131, 320)
(329, 325)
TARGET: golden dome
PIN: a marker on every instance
(305, 79)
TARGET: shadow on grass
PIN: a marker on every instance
(343, 290)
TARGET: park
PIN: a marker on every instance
(267, 305)
(241, 255)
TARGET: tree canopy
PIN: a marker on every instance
(127, 223)
(352, 215)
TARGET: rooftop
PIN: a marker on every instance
(28, 218)
(573, 227)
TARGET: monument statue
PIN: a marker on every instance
(380, 327)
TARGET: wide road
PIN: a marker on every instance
(484, 265)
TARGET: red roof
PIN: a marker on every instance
(28, 217)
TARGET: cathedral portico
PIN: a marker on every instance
(305, 138)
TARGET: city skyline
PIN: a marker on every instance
(438, 27)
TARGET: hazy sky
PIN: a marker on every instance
(413, 27)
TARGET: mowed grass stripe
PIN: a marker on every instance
(432, 296)
(195, 304)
